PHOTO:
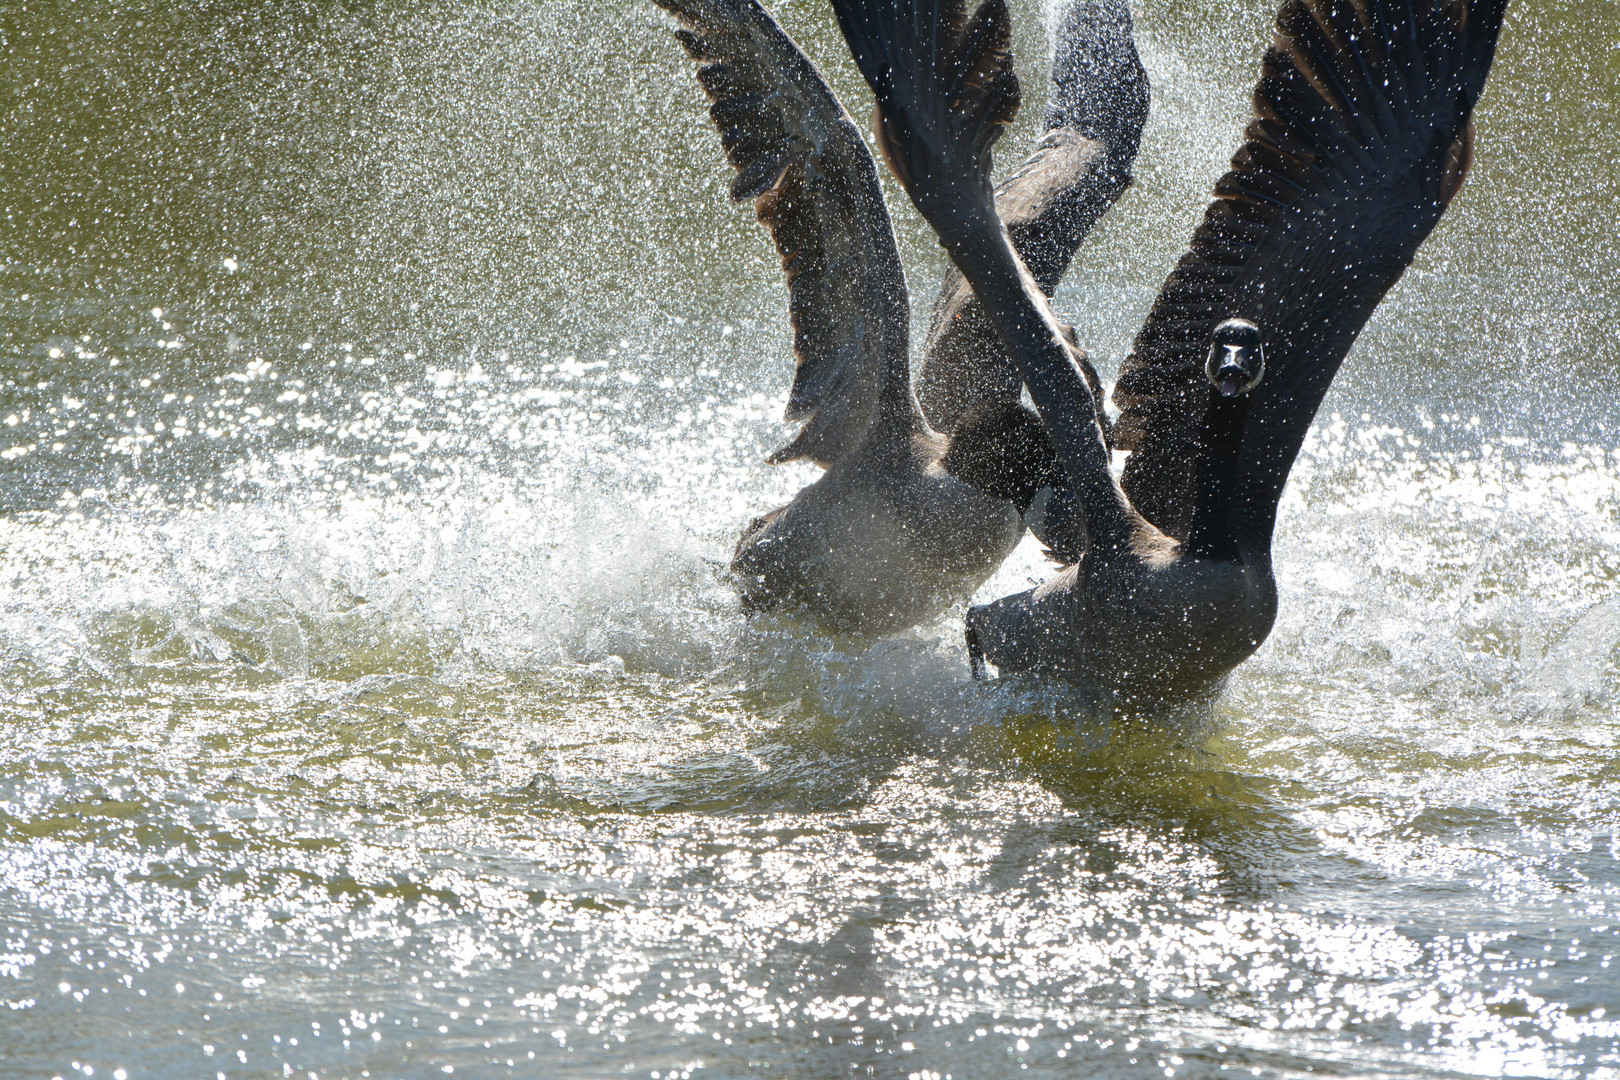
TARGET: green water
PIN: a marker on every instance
(382, 385)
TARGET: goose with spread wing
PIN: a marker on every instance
(1361, 137)
(1080, 166)
(888, 537)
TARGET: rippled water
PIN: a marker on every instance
(382, 388)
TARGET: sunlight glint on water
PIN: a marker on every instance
(377, 417)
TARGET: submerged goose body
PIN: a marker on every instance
(886, 537)
(1362, 135)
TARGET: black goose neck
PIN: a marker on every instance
(1214, 533)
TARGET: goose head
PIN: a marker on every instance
(1235, 364)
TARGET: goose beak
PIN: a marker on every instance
(1235, 363)
(1232, 375)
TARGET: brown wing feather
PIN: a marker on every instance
(1048, 205)
(805, 165)
(1360, 138)
(1080, 166)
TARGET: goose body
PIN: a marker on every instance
(1362, 136)
(1158, 618)
(1169, 629)
(886, 537)
(883, 540)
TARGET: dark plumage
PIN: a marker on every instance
(887, 537)
(1339, 180)
(1361, 137)
(1079, 167)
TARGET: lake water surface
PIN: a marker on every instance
(383, 385)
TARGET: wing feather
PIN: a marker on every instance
(1361, 135)
(1079, 167)
(802, 161)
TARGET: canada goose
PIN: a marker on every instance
(887, 538)
(1361, 137)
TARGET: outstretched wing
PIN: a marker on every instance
(805, 165)
(945, 91)
(1361, 136)
(1081, 164)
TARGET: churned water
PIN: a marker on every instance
(383, 387)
